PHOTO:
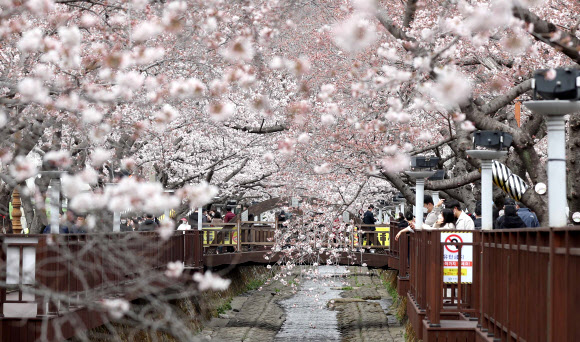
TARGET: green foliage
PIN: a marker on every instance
(227, 306)
(346, 288)
(254, 284)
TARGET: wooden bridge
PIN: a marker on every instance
(518, 285)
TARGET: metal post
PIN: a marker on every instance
(199, 224)
(239, 235)
(54, 206)
(486, 195)
(116, 221)
(557, 170)
(419, 197)
(380, 216)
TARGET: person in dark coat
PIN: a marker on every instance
(80, 225)
(477, 221)
(62, 229)
(369, 217)
(402, 222)
(149, 224)
(125, 227)
(510, 219)
(282, 216)
(529, 218)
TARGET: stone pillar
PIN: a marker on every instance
(557, 203)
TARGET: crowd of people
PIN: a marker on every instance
(76, 224)
(450, 215)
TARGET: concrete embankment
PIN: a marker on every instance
(326, 303)
(366, 310)
(195, 311)
(335, 304)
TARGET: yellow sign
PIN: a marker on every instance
(453, 271)
(229, 238)
(384, 237)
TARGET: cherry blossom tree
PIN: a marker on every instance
(251, 99)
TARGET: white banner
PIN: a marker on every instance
(451, 257)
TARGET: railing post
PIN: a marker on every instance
(403, 254)
(239, 235)
(436, 278)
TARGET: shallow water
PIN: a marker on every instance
(310, 320)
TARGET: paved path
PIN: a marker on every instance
(362, 313)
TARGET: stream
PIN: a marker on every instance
(307, 316)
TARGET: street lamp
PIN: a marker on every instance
(493, 142)
(560, 92)
(421, 169)
(438, 175)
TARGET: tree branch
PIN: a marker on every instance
(398, 33)
(543, 31)
(454, 182)
(236, 171)
(410, 10)
(432, 147)
(400, 185)
(259, 130)
(503, 100)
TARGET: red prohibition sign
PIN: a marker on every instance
(453, 238)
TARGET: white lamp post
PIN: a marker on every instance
(486, 158)
(419, 177)
(555, 110)
(421, 169)
(494, 141)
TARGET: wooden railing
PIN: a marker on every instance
(524, 282)
(530, 284)
(524, 288)
(80, 267)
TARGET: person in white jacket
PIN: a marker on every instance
(463, 221)
(184, 225)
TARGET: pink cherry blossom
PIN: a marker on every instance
(22, 168)
(174, 269)
(116, 307)
(210, 281)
